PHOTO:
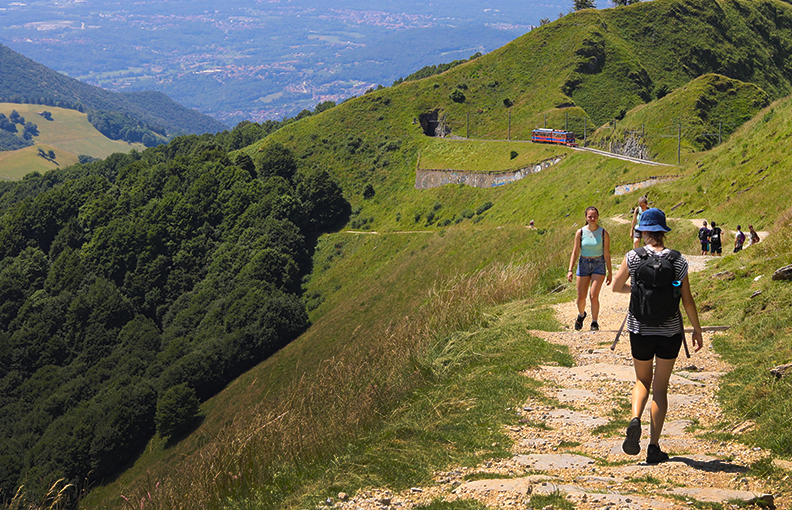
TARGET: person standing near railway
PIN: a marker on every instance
(715, 240)
(655, 325)
(591, 250)
(643, 204)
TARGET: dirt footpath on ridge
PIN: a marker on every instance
(589, 469)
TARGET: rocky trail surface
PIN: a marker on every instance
(557, 449)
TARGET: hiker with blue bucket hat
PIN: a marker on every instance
(657, 279)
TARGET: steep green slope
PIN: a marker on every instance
(577, 72)
(654, 47)
(23, 79)
(704, 112)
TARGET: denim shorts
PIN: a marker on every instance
(589, 266)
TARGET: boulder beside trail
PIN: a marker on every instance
(784, 273)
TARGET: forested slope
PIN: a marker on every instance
(140, 283)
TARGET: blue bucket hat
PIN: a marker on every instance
(653, 220)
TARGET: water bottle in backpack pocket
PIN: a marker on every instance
(655, 291)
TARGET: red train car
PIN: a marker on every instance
(544, 135)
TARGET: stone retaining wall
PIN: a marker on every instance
(623, 189)
(432, 178)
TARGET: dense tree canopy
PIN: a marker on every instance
(134, 287)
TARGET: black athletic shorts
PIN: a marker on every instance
(646, 347)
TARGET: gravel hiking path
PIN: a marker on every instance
(589, 469)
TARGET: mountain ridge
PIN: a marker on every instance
(25, 79)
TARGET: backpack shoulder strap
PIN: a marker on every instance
(641, 252)
(673, 255)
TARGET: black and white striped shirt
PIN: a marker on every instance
(673, 325)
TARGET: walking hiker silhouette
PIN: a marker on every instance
(591, 250)
(655, 336)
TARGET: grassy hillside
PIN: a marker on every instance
(703, 112)
(69, 134)
(396, 314)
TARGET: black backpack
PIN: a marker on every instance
(655, 294)
(703, 234)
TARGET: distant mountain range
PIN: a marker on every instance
(24, 80)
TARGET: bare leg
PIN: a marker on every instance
(643, 381)
(582, 289)
(596, 286)
(660, 397)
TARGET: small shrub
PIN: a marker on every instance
(437, 206)
(457, 96)
(417, 217)
(477, 219)
(483, 207)
(176, 409)
(390, 146)
(513, 155)
(368, 191)
(468, 213)
(313, 300)
(508, 103)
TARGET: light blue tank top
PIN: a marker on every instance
(591, 242)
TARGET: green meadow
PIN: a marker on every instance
(68, 134)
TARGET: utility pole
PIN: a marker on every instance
(584, 131)
(679, 144)
(545, 120)
(467, 126)
(566, 121)
(508, 136)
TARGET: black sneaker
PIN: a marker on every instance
(654, 455)
(632, 445)
(594, 326)
(579, 321)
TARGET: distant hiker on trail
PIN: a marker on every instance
(754, 237)
(643, 204)
(703, 235)
(715, 240)
(592, 253)
(655, 325)
(739, 240)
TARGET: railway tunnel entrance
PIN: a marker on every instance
(433, 124)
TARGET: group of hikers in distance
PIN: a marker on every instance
(711, 238)
(656, 277)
